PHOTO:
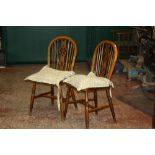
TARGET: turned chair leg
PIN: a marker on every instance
(69, 94)
(52, 94)
(62, 109)
(32, 97)
(66, 101)
(110, 104)
(86, 110)
(95, 100)
(73, 97)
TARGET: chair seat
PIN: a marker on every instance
(49, 76)
(81, 82)
(52, 76)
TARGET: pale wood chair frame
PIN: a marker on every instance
(64, 59)
(96, 60)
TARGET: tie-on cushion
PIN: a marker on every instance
(49, 76)
(81, 82)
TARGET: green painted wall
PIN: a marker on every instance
(28, 44)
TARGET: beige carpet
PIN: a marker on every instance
(15, 98)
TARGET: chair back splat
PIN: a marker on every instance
(62, 53)
(104, 59)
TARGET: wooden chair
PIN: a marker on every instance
(62, 53)
(126, 45)
(103, 63)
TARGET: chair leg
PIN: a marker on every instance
(32, 97)
(67, 101)
(95, 100)
(61, 106)
(73, 98)
(86, 110)
(110, 104)
(52, 94)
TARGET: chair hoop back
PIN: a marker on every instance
(62, 53)
(104, 59)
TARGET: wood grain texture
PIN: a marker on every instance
(103, 63)
(62, 52)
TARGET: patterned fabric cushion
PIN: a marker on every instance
(81, 82)
(50, 76)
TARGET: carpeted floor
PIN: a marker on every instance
(133, 94)
(15, 98)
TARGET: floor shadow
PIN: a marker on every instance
(139, 100)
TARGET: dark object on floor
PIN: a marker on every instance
(153, 119)
(2, 59)
(118, 67)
